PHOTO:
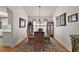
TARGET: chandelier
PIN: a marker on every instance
(39, 14)
(39, 21)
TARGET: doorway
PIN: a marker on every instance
(51, 29)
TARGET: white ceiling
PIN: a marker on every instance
(44, 10)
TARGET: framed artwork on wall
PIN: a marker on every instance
(22, 23)
(63, 19)
(73, 18)
(57, 21)
(0, 25)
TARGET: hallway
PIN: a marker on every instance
(60, 22)
(39, 29)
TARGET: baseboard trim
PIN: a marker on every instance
(61, 44)
(15, 45)
(6, 46)
(20, 42)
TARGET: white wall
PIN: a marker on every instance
(8, 28)
(18, 33)
(62, 32)
(3, 11)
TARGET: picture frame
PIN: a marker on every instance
(57, 21)
(73, 18)
(63, 19)
(22, 23)
(0, 25)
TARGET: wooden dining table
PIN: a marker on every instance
(38, 41)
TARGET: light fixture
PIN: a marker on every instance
(39, 21)
(39, 14)
(40, 18)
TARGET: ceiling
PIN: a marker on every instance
(44, 10)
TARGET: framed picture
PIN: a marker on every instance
(22, 23)
(73, 18)
(57, 21)
(63, 19)
(0, 25)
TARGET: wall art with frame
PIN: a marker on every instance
(22, 23)
(63, 19)
(57, 21)
(73, 18)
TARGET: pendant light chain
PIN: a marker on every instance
(39, 13)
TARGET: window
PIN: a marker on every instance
(37, 25)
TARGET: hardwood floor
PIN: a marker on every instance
(58, 45)
(7, 49)
(54, 42)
